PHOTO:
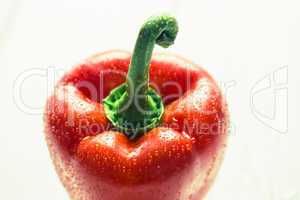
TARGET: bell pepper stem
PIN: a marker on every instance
(138, 105)
(161, 30)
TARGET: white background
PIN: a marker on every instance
(244, 44)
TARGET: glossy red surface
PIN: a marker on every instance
(177, 160)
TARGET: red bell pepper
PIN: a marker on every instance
(155, 133)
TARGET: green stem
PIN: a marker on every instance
(135, 103)
(161, 30)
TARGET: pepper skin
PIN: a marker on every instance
(177, 159)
